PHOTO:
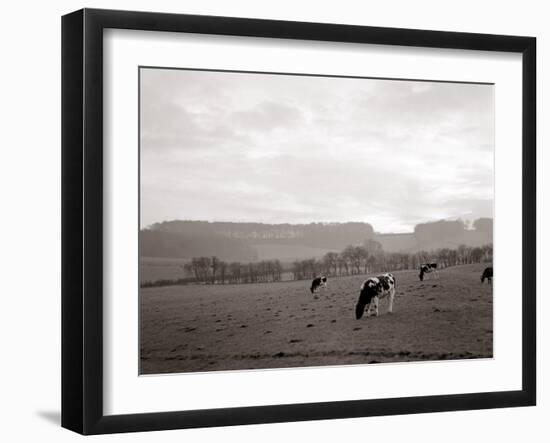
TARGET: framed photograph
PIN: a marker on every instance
(269, 221)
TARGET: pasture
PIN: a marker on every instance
(155, 268)
(275, 325)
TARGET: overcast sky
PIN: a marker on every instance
(224, 146)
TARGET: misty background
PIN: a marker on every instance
(250, 167)
(274, 149)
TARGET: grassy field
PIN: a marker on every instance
(275, 325)
(156, 268)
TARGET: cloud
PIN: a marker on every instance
(267, 116)
(277, 148)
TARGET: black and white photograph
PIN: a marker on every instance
(294, 221)
(247, 221)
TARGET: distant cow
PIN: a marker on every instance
(487, 274)
(427, 268)
(318, 282)
(372, 290)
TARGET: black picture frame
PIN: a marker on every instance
(82, 218)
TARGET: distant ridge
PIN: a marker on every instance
(257, 241)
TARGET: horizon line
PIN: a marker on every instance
(315, 222)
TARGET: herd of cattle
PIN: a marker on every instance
(376, 288)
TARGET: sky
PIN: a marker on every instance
(225, 146)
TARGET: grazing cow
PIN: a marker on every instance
(318, 282)
(487, 274)
(372, 290)
(428, 268)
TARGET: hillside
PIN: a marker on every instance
(249, 241)
(157, 243)
(413, 242)
(317, 235)
(233, 241)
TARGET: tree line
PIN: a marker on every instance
(368, 258)
(213, 270)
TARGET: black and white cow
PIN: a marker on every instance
(428, 268)
(487, 274)
(372, 290)
(318, 282)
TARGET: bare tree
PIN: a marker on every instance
(214, 263)
(223, 271)
(330, 263)
(277, 270)
(347, 258)
(235, 271)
